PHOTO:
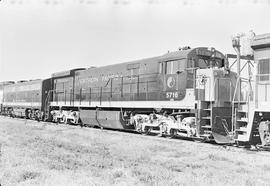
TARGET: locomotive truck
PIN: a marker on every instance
(187, 92)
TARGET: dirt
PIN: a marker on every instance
(37, 153)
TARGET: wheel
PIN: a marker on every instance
(138, 127)
(146, 130)
(65, 121)
(267, 137)
(173, 133)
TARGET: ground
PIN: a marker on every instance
(36, 153)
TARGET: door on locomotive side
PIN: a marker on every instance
(173, 79)
(63, 90)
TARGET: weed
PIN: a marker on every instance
(194, 166)
(218, 158)
(28, 175)
(118, 174)
(89, 156)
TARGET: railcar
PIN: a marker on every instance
(25, 98)
(2, 84)
(142, 95)
(252, 111)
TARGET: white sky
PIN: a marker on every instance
(39, 37)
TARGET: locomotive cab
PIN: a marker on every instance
(179, 72)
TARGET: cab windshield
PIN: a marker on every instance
(207, 62)
(208, 58)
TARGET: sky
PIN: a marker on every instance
(40, 37)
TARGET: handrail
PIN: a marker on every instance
(214, 90)
(237, 83)
(233, 106)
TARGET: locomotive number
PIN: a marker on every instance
(170, 95)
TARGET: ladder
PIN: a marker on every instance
(242, 118)
(206, 119)
(241, 121)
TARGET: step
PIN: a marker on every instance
(209, 132)
(207, 117)
(240, 102)
(242, 111)
(206, 126)
(242, 120)
(242, 129)
(242, 114)
(242, 137)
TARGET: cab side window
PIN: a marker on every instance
(169, 67)
(173, 67)
(190, 73)
(264, 69)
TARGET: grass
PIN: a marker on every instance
(35, 153)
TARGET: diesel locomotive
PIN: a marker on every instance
(25, 98)
(252, 112)
(187, 93)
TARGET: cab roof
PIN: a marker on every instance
(261, 41)
(66, 73)
(188, 53)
